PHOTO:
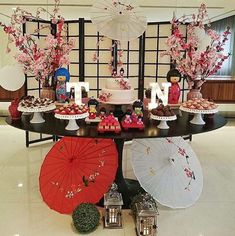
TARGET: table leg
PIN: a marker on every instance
(127, 187)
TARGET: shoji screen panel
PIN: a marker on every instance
(96, 71)
(130, 59)
(73, 33)
(39, 30)
(155, 66)
(31, 28)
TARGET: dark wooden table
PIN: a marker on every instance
(128, 188)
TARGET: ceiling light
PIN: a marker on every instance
(20, 185)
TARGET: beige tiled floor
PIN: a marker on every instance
(2, 121)
(23, 213)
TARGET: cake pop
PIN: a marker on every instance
(92, 104)
(128, 119)
(114, 73)
(122, 72)
(102, 113)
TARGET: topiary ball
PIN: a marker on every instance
(86, 218)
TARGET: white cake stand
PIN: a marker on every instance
(197, 119)
(163, 120)
(37, 112)
(72, 125)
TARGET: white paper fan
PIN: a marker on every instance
(118, 20)
(168, 169)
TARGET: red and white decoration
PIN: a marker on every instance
(77, 170)
(118, 20)
(36, 106)
(72, 112)
(199, 107)
(168, 169)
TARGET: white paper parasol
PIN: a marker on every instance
(11, 77)
(118, 20)
(168, 169)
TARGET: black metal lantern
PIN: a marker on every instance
(113, 208)
(146, 216)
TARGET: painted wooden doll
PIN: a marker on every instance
(61, 77)
(174, 77)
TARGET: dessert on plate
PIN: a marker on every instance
(199, 104)
(109, 124)
(72, 109)
(162, 111)
(30, 102)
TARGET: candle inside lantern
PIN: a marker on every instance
(156, 90)
(146, 231)
(113, 215)
(146, 227)
(77, 90)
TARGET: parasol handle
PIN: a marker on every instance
(172, 161)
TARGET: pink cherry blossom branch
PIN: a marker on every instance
(184, 51)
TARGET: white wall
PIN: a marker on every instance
(5, 58)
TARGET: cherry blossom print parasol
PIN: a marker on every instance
(77, 170)
(118, 20)
(168, 169)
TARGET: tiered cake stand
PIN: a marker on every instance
(197, 119)
(163, 120)
(72, 125)
(37, 112)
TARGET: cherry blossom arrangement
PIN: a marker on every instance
(196, 63)
(37, 61)
(123, 83)
(104, 97)
(116, 44)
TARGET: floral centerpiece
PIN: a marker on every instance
(194, 62)
(37, 61)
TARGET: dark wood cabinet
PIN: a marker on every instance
(222, 91)
(6, 96)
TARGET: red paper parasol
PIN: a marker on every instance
(77, 170)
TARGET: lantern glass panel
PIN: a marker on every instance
(113, 204)
(113, 217)
(146, 226)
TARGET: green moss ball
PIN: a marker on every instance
(86, 218)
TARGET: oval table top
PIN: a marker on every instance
(179, 127)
